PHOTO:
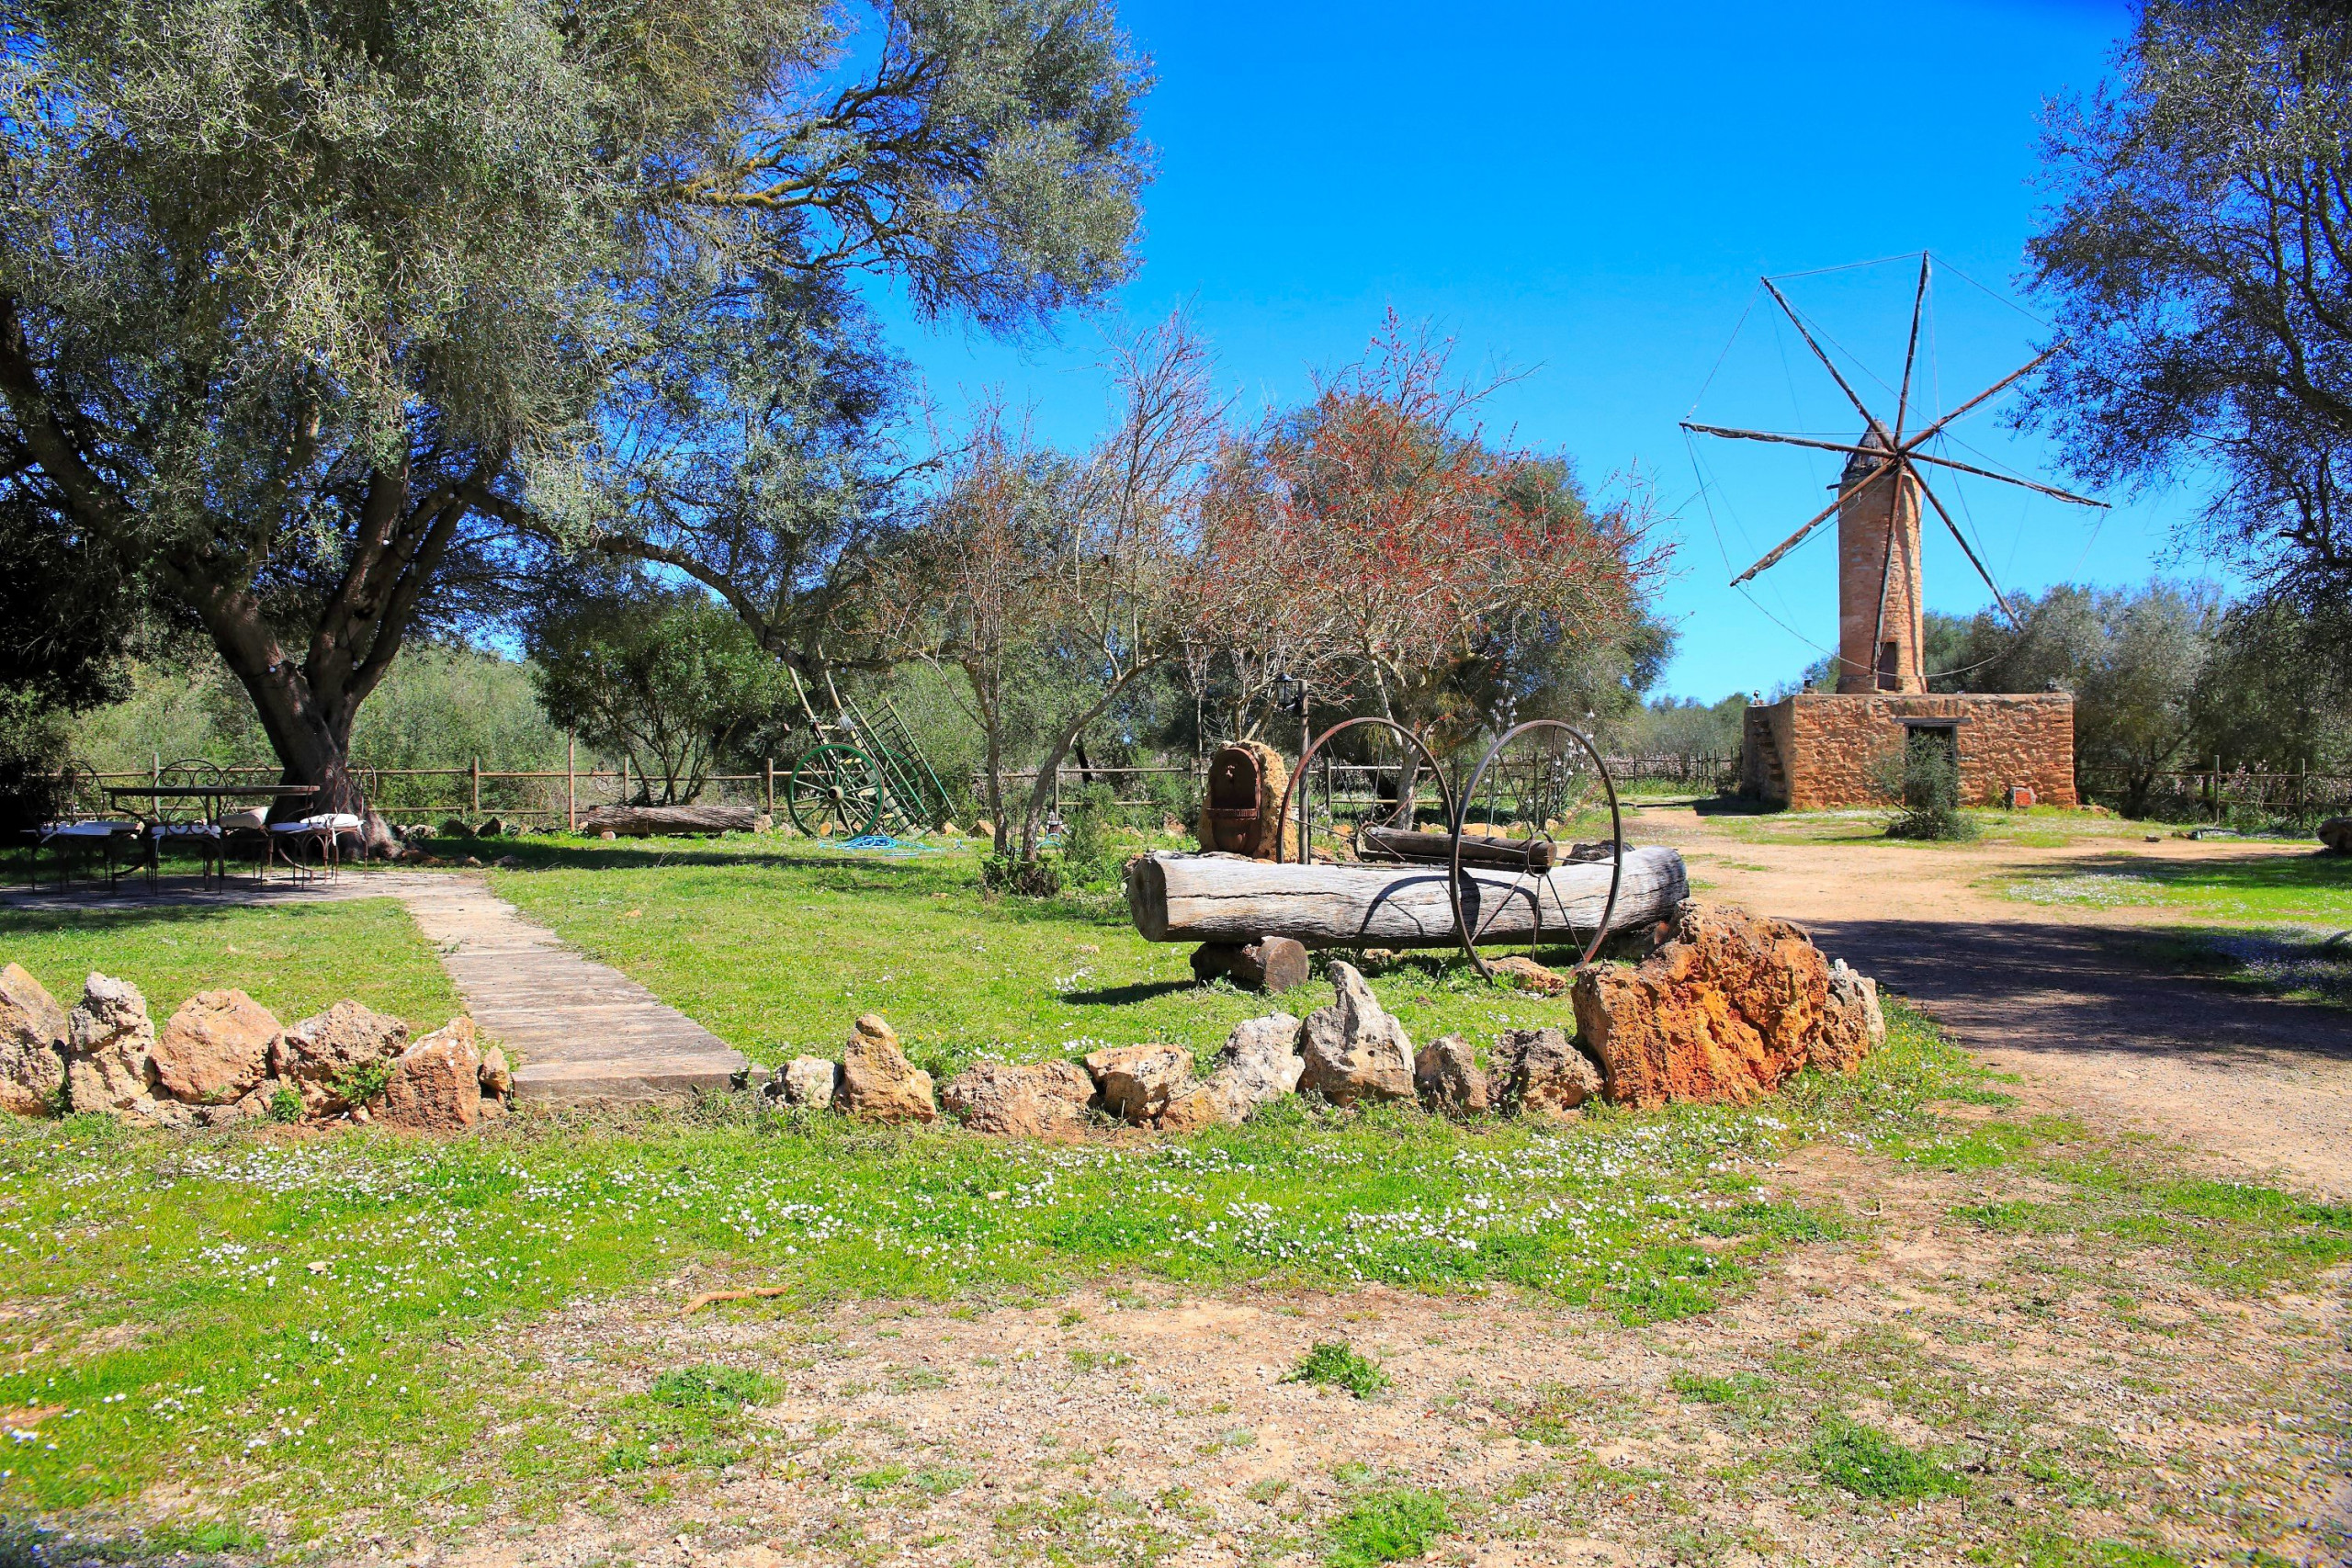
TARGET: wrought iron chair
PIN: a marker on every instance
(186, 820)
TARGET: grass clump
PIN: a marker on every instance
(688, 1417)
(1335, 1362)
(1867, 1462)
(1393, 1526)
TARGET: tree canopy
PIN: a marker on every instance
(2199, 254)
(307, 314)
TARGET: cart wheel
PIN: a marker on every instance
(835, 791)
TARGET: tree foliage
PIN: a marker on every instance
(2199, 254)
(311, 312)
(656, 673)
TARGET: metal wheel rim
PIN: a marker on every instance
(1616, 844)
(802, 791)
(1306, 835)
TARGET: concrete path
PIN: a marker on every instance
(582, 1032)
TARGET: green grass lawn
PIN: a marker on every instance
(777, 946)
(295, 960)
(2043, 827)
(2293, 888)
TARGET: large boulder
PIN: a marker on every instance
(1540, 1072)
(340, 1057)
(1355, 1050)
(877, 1082)
(110, 1042)
(1447, 1076)
(1043, 1100)
(215, 1048)
(1725, 1010)
(1137, 1081)
(435, 1085)
(1257, 1063)
(32, 1045)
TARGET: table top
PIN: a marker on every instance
(183, 792)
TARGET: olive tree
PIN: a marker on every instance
(2199, 257)
(312, 312)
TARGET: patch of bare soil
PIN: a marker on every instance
(2082, 1397)
(2068, 998)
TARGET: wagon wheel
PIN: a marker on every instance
(834, 791)
(1562, 789)
(1399, 813)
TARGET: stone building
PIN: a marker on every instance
(1830, 749)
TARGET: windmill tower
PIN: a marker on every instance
(1881, 616)
(1821, 749)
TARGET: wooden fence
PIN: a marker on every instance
(2220, 794)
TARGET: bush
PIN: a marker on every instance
(1024, 879)
(1085, 824)
(1336, 1362)
(1925, 779)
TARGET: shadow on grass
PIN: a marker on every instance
(1122, 996)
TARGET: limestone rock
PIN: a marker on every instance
(1137, 1081)
(1853, 1024)
(1529, 975)
(32, 1045)
(255, 1106)
(497, 1079)
(1272, 963)
(1725, 1011)
(877, 1082)
(1043, 1099)
(436, 1083)
(1257, 1063)
(1540, 1072)
(1448, 1076)
(1355, 1050)
(808, 1081)
(109, 1039)
(215, 1048)
(1262, 1055)
(326, 1055)
(2335, 833)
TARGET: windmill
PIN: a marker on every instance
(1878, 511)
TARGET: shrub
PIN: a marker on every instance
(1024, 879)
(1926, 780)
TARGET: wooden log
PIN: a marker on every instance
(1437, 849)
(1181, 897)
(641, 821)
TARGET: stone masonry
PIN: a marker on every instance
(1819, 750)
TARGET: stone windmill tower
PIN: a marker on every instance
(2021, 745)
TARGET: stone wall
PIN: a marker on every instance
(1827, 749)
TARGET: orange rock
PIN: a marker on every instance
(1727, 1009)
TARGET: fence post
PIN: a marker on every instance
(477, 790)
(572, 783)
(767, 786)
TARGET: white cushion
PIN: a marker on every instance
(185, 830)
(251, 821)
(294, 828)
(341, 821)
(94, 829)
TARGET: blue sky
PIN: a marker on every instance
(1588, 194)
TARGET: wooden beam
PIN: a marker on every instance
(1815, 520)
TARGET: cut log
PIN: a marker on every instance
(1437, 849)
(1180, 898)
(641, 821)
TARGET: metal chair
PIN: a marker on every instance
(79, 829)
(185, 819)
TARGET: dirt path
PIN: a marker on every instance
(2067, 998)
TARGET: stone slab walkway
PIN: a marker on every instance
(582, 1032)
